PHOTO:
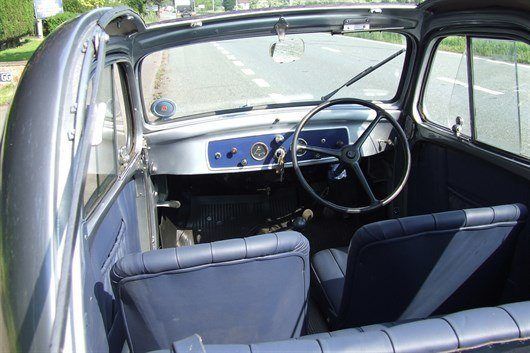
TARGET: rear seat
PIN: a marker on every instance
(458, 331)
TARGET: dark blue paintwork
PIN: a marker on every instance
(244, 144)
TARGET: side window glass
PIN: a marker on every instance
(446, 95)
(122, 113)
(111, 141)
(501, 95)
(102, 165)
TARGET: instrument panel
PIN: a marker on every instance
(263, 150)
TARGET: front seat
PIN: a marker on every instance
(233, 291)
(415, 267)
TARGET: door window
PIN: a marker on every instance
(111, 141)
(446, 93)
(502, 95)
(499, 72)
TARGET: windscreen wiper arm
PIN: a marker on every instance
(364, 73)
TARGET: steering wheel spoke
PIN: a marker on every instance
(364, 182)
(364, 136)
(327, 151)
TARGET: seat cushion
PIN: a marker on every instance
(329, 269)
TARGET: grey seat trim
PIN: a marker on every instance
(200, 255)
(455, 332)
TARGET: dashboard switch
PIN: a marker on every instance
(217, 155)
(244, 162)
(233, 150)
(279, 138)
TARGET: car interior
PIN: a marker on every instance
(348, 224)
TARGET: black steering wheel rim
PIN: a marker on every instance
(351, 153)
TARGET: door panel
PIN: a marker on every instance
(116, 236)
(444, 178)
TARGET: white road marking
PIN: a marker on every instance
(238, 63)
(280, 98)
(331, 49)
(371, 92)
(511, 64)
(248, 72)
(261, 82)
(476, 87)
(231, 57)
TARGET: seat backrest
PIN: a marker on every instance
(492, 329)
(415, 267)
(233, 291)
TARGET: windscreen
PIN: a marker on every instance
(222, 76)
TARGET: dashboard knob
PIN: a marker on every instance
(233, 150)
(244, 162)
(217, 155)
(279, 138)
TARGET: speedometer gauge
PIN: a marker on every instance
(259, 151)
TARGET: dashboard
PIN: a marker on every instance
(250, 141)
(265, 150)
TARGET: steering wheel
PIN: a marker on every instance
(351, 154)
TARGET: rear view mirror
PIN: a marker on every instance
(287, 50)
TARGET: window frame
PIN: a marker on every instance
(432, 47)
(98, 195)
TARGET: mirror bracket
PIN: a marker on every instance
(281, 27)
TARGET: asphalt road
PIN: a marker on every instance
(237, 73)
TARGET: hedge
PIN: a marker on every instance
(51, 23)
(74, 6)
(16, 19)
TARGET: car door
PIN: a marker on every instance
(111, 205)
(472, 106)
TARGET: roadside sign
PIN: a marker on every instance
(182, 3)
(6, 77)
(47, 8)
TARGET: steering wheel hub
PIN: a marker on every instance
(353, 155)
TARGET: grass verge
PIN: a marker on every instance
(22, 52)
(6, 93)
(502, 50)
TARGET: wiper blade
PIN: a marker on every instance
(364, 73)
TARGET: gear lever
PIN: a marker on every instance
(300, 222)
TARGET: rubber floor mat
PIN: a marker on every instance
(215, 218)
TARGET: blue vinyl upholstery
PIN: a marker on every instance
(478, 328)
(234, 291)
(415, 267)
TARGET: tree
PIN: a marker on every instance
(139, 6)
(229, 5)
(16, 20)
